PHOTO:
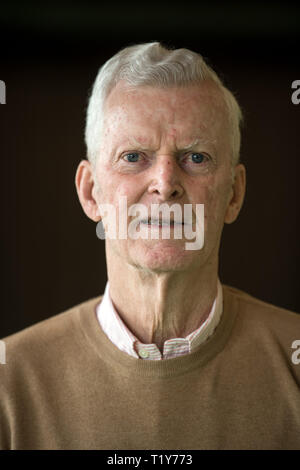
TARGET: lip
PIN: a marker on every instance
(161, 223)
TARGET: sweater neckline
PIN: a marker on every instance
(128, 365)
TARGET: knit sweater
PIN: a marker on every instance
(65, 385)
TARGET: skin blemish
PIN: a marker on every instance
(173, 132)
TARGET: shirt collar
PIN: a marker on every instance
(124, 339)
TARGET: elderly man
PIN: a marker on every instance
(168, 357)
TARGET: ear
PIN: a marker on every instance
(85, 186)
(237, 194)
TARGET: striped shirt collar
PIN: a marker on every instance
(124, 339)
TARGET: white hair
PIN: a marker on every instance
(155, 65)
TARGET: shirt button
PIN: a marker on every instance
(143, 353)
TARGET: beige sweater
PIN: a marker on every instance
(66, 386)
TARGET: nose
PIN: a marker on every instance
(165, 179)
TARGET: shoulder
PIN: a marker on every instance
(47, 337)
(39, 359)
(264, 328)
(259, 310)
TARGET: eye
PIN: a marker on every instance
(198, 157)
(131, 157)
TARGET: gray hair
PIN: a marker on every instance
(155, 65)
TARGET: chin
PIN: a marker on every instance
(163, 256)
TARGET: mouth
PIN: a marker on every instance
(161, 222)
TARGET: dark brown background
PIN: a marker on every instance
(51, 257)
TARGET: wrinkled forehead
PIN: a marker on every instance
(195, 95)
(189, 112)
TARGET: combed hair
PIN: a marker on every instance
(155, 65)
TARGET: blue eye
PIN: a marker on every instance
(132, 157)
(198, 157)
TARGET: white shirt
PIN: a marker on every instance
(124, 339)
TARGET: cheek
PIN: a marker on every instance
(215, 198)
(114, 187)
(125, 188)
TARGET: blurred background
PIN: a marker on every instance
(50, 55)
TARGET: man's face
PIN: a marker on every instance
(166, 146)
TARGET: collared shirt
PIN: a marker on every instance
(124, 339)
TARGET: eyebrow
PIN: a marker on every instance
(192, 144)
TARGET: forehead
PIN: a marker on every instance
(186, 113)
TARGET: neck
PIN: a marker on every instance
(157, 306)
